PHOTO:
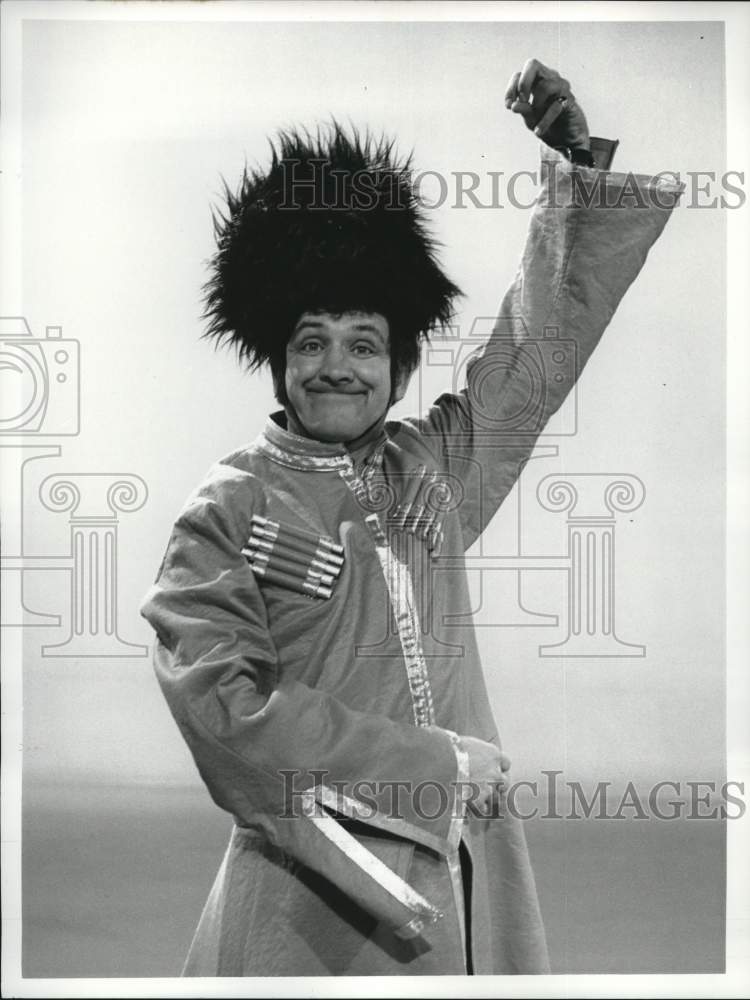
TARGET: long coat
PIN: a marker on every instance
(326, 724)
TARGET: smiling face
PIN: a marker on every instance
(338, 374)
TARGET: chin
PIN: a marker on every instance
(336, 436)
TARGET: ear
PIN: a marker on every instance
(399, 388)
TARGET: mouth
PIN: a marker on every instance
(335, 392)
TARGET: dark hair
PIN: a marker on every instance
(332, 226)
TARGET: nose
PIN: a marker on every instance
(335, 367)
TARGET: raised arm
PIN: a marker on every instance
(589, 235)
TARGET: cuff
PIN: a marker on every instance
(358, 872)
(600, 154)
(603, 152)
(462, 787)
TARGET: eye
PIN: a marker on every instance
(310, 347)
(363, 350)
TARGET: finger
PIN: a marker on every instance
(545, 88)
(525, 109)
(486, 807)
(499, 792)
(553, 112)
(532, 69)
(511, 91)
(505, 761)
(478, 803)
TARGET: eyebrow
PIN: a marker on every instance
(317, 324)
(374, 330)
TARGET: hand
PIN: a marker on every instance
(487, 767)
(545, 101)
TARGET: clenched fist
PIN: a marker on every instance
(546, 103)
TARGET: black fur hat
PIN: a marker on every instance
(332, 226)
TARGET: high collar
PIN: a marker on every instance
(308, 453)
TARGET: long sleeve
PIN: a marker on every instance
(258, 738)
(589, 235)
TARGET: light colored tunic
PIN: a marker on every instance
(301, 712)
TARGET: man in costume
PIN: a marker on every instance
(298, 608)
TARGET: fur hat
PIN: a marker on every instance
(332, 226)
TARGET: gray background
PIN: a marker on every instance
(126, 128)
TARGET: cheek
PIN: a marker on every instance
(296, 371)
(378, 377)
(385, 387)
